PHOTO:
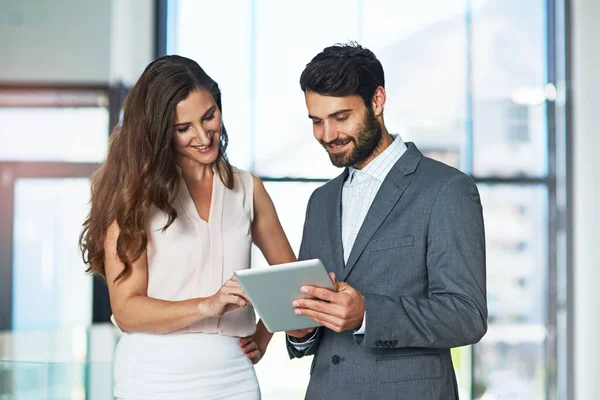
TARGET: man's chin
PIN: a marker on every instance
(339, 160)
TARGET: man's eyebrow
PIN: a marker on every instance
(333, 114)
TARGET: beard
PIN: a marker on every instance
(366, 141)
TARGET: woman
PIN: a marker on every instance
(171, 220)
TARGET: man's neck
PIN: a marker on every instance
(384, 143)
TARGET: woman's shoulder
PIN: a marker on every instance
(239, 171)
(248, 183)
(244, 178)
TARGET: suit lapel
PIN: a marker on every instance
(388, 195)
(334, 224)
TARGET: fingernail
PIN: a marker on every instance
(304, 289)
(297, 311)
(296, 304)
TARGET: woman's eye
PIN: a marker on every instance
(209, 117)
(182, 130)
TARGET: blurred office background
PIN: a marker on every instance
(505, 90)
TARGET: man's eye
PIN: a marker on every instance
(317, 122)
(341, 119)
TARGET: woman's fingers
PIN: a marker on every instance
(249, 347)
(234, 288)
(254, 356)
(227, 298)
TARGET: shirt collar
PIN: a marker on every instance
(381, 165)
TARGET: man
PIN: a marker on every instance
(403, 239)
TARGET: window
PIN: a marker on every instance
(52, 140)
(510, 360)
(509, 88)
(469, 82)
(50, 289)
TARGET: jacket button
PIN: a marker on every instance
(335, 359)
(378, 343)
(394, 343)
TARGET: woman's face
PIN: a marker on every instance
(197, 127)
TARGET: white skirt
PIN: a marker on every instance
(184, 366)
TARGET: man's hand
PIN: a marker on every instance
(339, 311)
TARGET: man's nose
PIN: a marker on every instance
(329, 132)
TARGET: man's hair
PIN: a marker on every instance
(344, 70)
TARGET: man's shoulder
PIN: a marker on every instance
(436, 172)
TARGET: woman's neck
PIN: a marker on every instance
(194, 171)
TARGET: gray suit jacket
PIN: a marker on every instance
(419, 260)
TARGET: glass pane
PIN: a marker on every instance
(217, 35)
(505, 370)
(54, 134)
(25, 380)
(429, 110)
(50, 288)
(509, 78)
(284, 46)
(290, 200)
(510, 360)
(462, 359)
(426, 102)
(280, 377)
(69, 363)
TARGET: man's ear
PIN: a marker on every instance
(378, 101)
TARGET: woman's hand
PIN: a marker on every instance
(229, 297)
(255, 346)
(252, 349)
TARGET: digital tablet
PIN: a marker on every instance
(273, 289)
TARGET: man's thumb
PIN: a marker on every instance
(332, 277)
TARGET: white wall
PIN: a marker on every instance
(75, 41)
(586, 197)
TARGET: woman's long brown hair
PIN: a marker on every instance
(140, 169)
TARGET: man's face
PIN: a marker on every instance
(346, 128)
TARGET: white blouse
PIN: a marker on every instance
(193, 257)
